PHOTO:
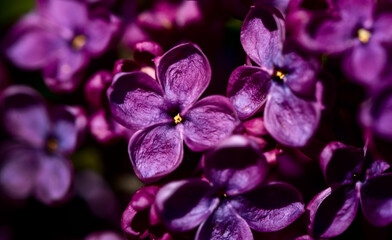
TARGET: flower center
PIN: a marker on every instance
(364, 35)
(279, 74)
(79, 41)
(177, 119)
(52, 145)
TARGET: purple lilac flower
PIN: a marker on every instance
(354, 181)
(59, 38)
(35, 161)
(104, 235)
(351, 28)
(284, 81)
(231, 201)
(166, 113)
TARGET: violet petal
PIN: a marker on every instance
(247, 89)
(271, 207)
(332, 211)
(184, 204)
(262, 36)
(208, 122)
(224, 224)
(376, 200)
(135, 100)
(292, 121)
(156, 151)
(64, 130)
(184, 73)
(235, 166)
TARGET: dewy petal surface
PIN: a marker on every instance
(271, 207)
(332, 212)
(184, 72)
(24, 115)
(262, 36)
(376, 200)
(236, 166)
(224, 224)
(156, 151)
(54, 178)
(136, 100)
(340, 163)
(208, 122)
(247, 90)
(19, 167)
(184, 204)
(292, 121)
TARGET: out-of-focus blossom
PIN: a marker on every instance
(35, 161)
(232, 201)
(284, 81)
(354, 181)
(104, 235)
(59, 38)
(349, 27)
(166, 112)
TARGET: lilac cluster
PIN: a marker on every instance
(153, 110)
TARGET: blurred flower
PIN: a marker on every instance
(35, 161)
(104, 235)
(166, 112)
(232, 201)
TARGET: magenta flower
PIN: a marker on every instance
(354, 181)
(35, 162)
(166, 112)
(284, 81)
(59, 38)
(232, 201)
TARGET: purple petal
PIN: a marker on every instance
(136, 101)
(262, 36)
(292, 121)
(34, 49)
(95, 88)
(235, 166)
(340, 163)
(64, 130)
(357, 9)
(131, 225)
(332, 211)
(376, 200)
(54, 179)
(365, 63)
(381, 28)
(98, 32)
(20, 165)
(208, 122)
(271, 207)
(184, 73)
(145, 51)
(156, 151)
(184, 204)
(24, 115)
(247, 90)
(224, 224)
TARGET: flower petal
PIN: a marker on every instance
(224, 224)
(332, 211)
(376, 200)
(247, 90)
(184, 204)
(64, 130)
(235, 166)
(184, 73)
(24, 114)
(292, 121)
(136, 101)
(271, 207)
(340, 163)
(54, 179)
(208, 122)
(156, 151)
(262, 36)
(20, 164)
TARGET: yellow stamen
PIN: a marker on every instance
(279, 74)
(224, 195)
(364, 35)
(78, 42)
(52, 144)
(177, 119)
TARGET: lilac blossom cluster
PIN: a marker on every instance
(283, 133)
